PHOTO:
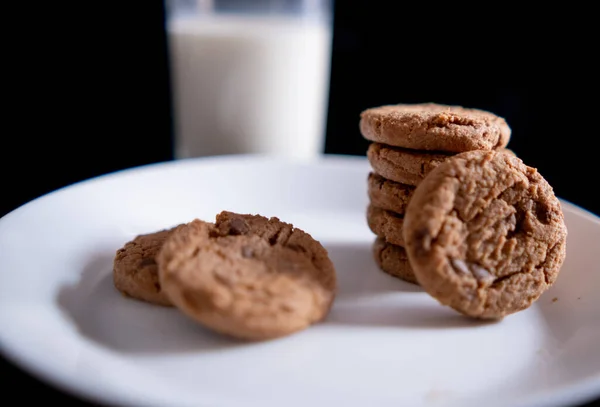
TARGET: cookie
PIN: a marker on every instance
(248, 276)
(485, 234)
(135, 272)
(389, 195)
(386, 224)
(393, 260)
(406, 166)
(434, 127)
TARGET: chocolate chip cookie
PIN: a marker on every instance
(485, 234)
(135, 272)
(389, 195)
(406, 166)
(393, 260)
(434, 127)
(386, 224)
(248, 276)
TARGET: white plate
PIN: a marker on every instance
(385, 343)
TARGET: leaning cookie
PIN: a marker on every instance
(485, 234)
(393, 260)
(248, 276)
(135, 272)
(406, 166)
(434, 127)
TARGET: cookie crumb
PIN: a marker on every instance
(554, 299)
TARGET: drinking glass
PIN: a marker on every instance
(249, 76)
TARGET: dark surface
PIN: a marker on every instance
(101, 101)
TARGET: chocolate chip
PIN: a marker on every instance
(147, 261)
(237, 226)
(297, 248)
(542, 213)
(424, 237)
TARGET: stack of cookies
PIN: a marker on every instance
(407, 143)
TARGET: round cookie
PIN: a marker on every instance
(408, 167)
(434, 127)
(386, 224)
(485, 234)
(393, 260)
(390, 195)
(248, 276)
(135, 272)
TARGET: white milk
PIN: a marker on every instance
(249, 85)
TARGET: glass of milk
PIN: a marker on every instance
(249, 76)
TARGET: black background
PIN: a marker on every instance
(90, 93)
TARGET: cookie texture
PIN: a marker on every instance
(386, 224)
(135, 271)
(393, 260)
(430, 126)
(248, 276)
(406, 166)
(485, 234)
(387, 194)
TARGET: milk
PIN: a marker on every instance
(245, 84)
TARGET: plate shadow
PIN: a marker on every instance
(403, 315)
(359, 276)
(368, 296)
(103, 315)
